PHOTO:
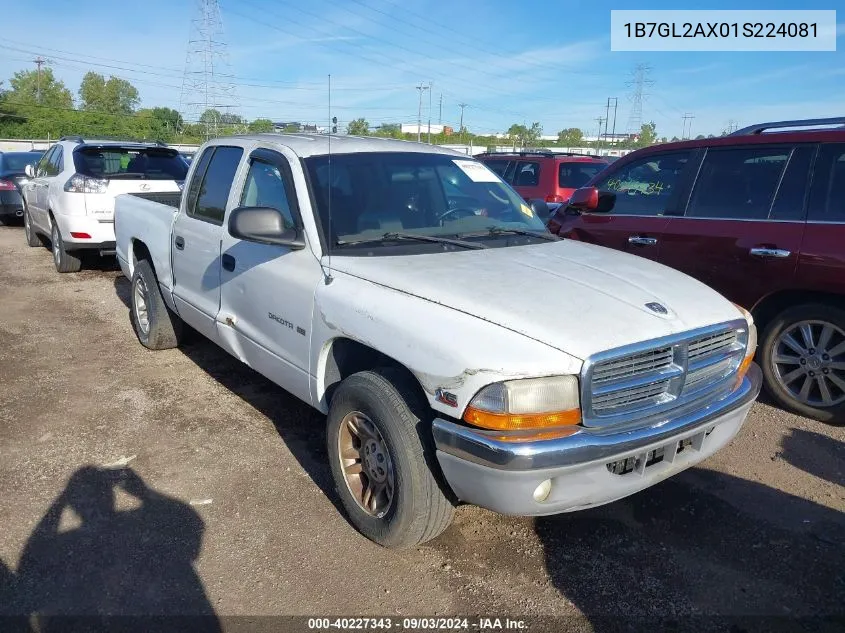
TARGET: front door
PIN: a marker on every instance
(196, 236)
(268, 290)
(744, 223)
(36, 190)
(639, 195)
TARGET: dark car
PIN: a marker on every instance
(759, 215)
(12, 176)
(544, 175)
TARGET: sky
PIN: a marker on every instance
(511, 62)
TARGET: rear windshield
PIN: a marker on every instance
(16, 162)
(575, 175)
(152, 163)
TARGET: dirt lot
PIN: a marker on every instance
(227, 508)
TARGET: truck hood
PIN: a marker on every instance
(575, 297)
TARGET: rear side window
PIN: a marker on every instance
(527, 174)
(196, 180)
(792, 192)
(43, 165)
(54, 165)
(216, 183)
(130, 163)
(738, 183)
(576, 175)
(499, 167)
(827, 199)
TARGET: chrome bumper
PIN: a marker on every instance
(501, 475)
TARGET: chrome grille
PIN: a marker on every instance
(644, 379)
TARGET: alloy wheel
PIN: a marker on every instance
(809, 363)
(366, 462)
(142, 316)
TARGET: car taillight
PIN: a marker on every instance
(555, 198)
(7, 185)
(86, 184)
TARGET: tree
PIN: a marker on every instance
(648, 134)
(358, 127)
(260, 126)
(228, 118)
(570, 137)
(522, 135)
(115, 96)
(26, 87)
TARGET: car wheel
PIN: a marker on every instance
(382, 459)
(156, 325)
(32, 238)
(65, 261)
(802, 355)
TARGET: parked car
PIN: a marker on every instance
(12, 176)
(69, 198)
(759, 215)
(428, 334)
(549, 176)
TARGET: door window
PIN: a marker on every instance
(738, 183)
(497, 166)
(216, 183)
(54, 167)
(265, 187)
(645, 186)
(792, 192)
(527, 175)
(827, 199)
(42, 166)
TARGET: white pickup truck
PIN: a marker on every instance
(461, 353)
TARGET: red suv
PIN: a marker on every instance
(549, 176)
(759, 215)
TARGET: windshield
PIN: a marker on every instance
(152, 163)
(577, 174)
(16, 162)
(376, 193)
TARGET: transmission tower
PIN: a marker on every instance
(206, 83)
(638, 85)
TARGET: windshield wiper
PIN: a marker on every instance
(387, 237)
(498, 230)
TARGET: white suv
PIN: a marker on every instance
(70, 197)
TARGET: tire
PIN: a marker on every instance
(156, 325)
(775, 374)
(32, 238)
(420, 509)
(65, 261)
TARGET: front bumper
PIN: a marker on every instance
(502, 476)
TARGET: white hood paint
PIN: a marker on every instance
(575, 297)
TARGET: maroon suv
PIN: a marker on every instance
(758, 215)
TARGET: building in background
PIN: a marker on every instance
(436, 128)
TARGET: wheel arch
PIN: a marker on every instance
(770, 306)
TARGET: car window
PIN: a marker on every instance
(129, 163)
(527, 174)
(216, 183)
(41, 167)
(645, 186)
(792, 192)
(54, 166)
(16, 162)
(196, 180)
(265, 187)
(827, 199)
(498, 166)
(577, 174)
(737, 183)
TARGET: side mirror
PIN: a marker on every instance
(29, 170)
(585, 199)
(540, 209)
(264, 225)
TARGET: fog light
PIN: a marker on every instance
(541, 492)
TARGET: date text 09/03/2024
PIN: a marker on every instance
(418, 624)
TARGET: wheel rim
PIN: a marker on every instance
(27, 230)
(809, 363)
(140, 300)
(366, 463)
(57, 253)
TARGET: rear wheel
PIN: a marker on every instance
(65, 261)
(32, 238)
(382, 459)
(156, 325)
(802, 354)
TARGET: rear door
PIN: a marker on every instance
(743, 225)
(197, 232)
(640, 194)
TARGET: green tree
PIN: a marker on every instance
(260, 126)
(648, 134)
(358, 127)
(523, 136)
(570, 137)
(114, 96)
(26, 87)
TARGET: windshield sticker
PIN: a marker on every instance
(526, 210)
(476, 171)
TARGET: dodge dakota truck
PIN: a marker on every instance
(461, 353)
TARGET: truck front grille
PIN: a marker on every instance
(644, 379)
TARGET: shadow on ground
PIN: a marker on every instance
(109, 547)
(699, 545)
(816, 454)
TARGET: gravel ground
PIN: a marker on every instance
(225, 505)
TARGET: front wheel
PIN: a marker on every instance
(65, 261)
(802, 354)
(382, 459)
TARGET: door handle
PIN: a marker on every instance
(769, 252)
(639, 240)
(179, 242)
(228, 262)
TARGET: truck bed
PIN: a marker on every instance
(170, 198)
(146, 218)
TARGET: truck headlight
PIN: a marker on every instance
(751, 347)
(532, 403)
